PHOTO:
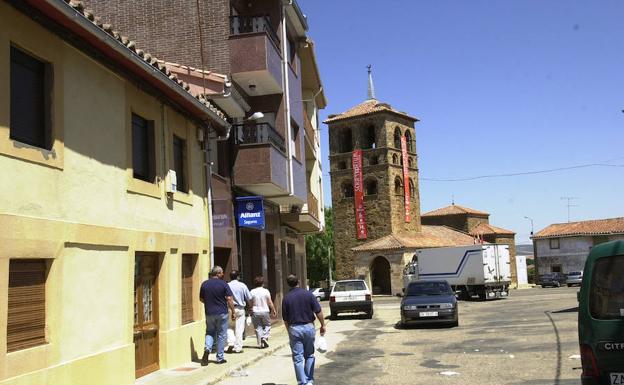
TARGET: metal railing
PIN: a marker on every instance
(240, 25)
(255, 133)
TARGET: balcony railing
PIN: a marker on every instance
(255, 133)
(240, 25)
(313, 206)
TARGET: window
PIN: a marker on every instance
(370, 187)
(412, 189)
(31, 86)
(395, 159)
(409, 162)
(373, 160)
(295, 149)
(554, 243)
(342, 165)
(179, 163)
(398, 186)
(291, 258)
(347, 190)
(189, 261)
(345, 141)
(143, 154)
(369, 137)
(606, 295)
(408, 140)
(397, 138)
(555, 268)
(26, 310)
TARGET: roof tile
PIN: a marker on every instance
(486, 229)
(453, 210)
(367, 107)
(430, 236)
(590, 227)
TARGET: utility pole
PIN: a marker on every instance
(569, 199)
(329, 269)
(535, 261)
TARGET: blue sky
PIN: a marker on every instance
(500, 87)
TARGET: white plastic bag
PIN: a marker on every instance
(248, 320)
(321, 344)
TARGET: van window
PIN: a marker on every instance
(349, 286)
(606, 296)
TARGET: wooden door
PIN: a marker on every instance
(145, 314)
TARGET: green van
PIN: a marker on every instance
(601, 315)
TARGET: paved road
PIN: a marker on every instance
(529, 338)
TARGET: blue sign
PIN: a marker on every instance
(250, 212)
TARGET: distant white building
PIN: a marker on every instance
(563, 247)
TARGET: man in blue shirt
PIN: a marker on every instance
(241, 298)
(299, 308)
(217, 297)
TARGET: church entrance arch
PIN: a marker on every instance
(380, 276)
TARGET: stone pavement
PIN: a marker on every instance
(195, 374)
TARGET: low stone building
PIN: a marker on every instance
(477, 224)
(563, 247)
(381, 262)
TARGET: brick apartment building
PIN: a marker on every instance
(263, 49)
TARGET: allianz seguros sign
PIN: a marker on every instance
(250, 212)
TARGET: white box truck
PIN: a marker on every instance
(481, 270)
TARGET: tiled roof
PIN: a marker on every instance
(591, 227)
(453, 210)
(430, 236)
(367, 107)
(485, 228)
(78, 6)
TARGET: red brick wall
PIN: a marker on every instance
(169, 29)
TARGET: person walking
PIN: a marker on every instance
(262, 311)
(216, 296)
(299, 308)
(241, 298)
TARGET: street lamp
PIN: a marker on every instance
(531, 219)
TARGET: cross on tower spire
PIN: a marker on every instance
(371, 87)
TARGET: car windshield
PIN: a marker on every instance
(428, 288)
(606, 296)
(548, 275)
(349, 286)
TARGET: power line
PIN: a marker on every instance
(601, 164)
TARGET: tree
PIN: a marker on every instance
(317, 247)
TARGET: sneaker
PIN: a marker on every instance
(264, 343)
(224, 361)
(204, 360)
(230, 349)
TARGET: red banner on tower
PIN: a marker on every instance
(406, 180)
(358, 195)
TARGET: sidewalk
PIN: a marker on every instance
(195, 374)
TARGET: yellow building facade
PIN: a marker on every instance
(122, 258)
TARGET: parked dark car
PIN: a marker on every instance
(552, 280)
(429, 302)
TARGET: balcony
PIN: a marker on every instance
(261, 166)
(307, 220)
(255, 60)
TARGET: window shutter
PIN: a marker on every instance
(188, 268)
(26, 311)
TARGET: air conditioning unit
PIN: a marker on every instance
(171, 182)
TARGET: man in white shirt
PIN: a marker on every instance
(241, 297)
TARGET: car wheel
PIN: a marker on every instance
(369, 314)
(557, 284)
(333, 315)
(455, 324)
(543, 286)
(318, 299)
(569, 285)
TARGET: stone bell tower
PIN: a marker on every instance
(380, 142)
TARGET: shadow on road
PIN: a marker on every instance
(557, 380)
(401, 326)
(568, 310)
(351, 316)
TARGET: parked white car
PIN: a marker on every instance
(574, 278)
(321, 293)
(350, 296)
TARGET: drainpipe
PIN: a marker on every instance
(285, 82)
(205, 143)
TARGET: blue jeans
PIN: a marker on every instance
(216, 329)
(302, 347)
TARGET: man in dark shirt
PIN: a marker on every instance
(299, 308)
(217, 297)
